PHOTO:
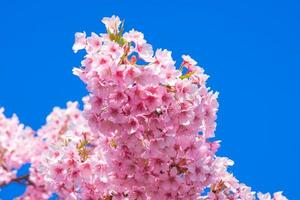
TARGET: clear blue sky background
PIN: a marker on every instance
(249, 48)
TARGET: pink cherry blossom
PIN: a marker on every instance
(145, 52)
(80, 41)
(148, 121)
(16, 142)
(135, 37)
(112, 24)
(188, 61)
(146, 132)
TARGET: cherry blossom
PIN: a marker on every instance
(15, 147)
(154, 122)
(267, 196)
(80, 41)
(73, 159)
(146, 131)
(188, 61)
(112, 23)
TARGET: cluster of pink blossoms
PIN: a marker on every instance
(72, 165)
(15, 147)
(145, 132)
(149, 117)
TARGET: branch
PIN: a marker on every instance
(21, 179)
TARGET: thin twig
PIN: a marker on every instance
(20, 179)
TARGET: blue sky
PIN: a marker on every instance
(249, 48)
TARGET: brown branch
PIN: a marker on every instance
(21, 179)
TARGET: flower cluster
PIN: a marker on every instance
(145, 133)
(15, 146)
(153, 120)
(227, 187)
(267, 196)
(72, 165)
(149, 116)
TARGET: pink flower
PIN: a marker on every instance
(163, 58)
(145, 52)
(145, 131)
(134, 36)
(133, 125)
(188, 61)
(57, 172)
(112, 23)
(137, 194)
(114, 50)
(113, 114)
(80, 41)
(279, 196)
(118, 98)
(266, 196)
(94, 43)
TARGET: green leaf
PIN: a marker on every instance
(187, 75)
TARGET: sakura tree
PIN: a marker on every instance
(146, 131)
